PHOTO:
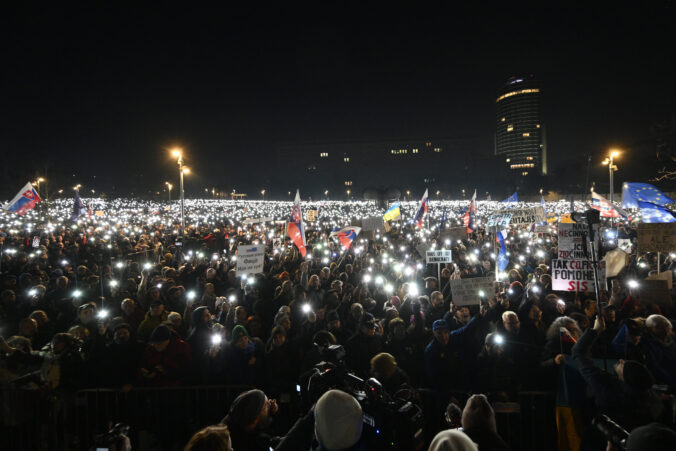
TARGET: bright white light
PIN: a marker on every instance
(102, 314)
(498, 339)
(32, 292)
(77, 293)
(147, 265)
(216, 339)
(250, 280)
(113, 283)
(119, 265)
(481, 293)
(232, 298)
(389, 288)
(408, 271)
(632, 284)
(306, 308)
(367, 278)
(413, 290)
(379, 280)
(191, 294)
(64, 262)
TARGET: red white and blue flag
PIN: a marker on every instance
(566, 337)
(468, 218)
(295, 228)
(25, 200)
(422, 211)
(347, 235)
(607, 209)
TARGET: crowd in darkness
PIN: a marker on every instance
(82, 308)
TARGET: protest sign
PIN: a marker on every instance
(372, 223)
(664, 275)
(250, 259)
(542, 229)
(624, 244)
(422, 248)
(524, 216)
(658, 237)
(439, 256)
(576, 275)
(571, 240)
(500, 220)
(98, 213)
(470, 291)
(615, 260)
(36, 242)
(311, 215)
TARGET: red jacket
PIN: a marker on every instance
(170, 367)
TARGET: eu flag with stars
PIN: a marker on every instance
(634, 193)
(655, 213)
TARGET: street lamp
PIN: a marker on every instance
(37, 182)
(263, 194)
(348, 194)
(181, 170)
(611, 170)
(169, 187)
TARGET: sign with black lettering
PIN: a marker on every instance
(571, 240)
(500, 220)
(525, 216)
(372, 223)
(250, 259)
(439, 256)
(472, 290)
(659, 237)
(576, 275)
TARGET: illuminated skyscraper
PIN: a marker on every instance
(519, 132)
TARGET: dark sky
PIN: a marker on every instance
(105, 90)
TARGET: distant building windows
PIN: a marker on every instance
(324, 155)
(508, 160)
(437, 149)
(510, 128)
(430, 180)
(529, 158)
(348, 182)
(428, 144)
(514, 93)
(537, 126)
(346, 159)
(399, 151)
(312, 168)
(526, 135)
(524, 173)
(502, 120)
(521, 165)
(414, 151)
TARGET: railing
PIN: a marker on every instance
(165, 418)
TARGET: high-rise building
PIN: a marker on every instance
(519, 132)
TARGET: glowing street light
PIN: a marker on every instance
(611, 169)
(169, 187)
(178, 154)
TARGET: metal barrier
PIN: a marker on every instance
(161, 418)
(165, 418)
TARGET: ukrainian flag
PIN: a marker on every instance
(392, 213)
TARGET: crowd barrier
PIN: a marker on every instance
(165, 418)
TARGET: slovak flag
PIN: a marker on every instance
(566, 337)
(25, 200)
(295, 228)
(468, 219)
(347, 235)
(607, 209)
(422, 211)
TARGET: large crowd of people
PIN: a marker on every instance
(117, 298)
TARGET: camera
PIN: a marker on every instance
(390, 422)
(116, 439)
(612, 431)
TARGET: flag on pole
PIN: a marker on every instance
(468, 219)
(25, 200)
(346, 235)
(422, 211)
(633, 193)
(392, 213)
(78, 205)
(652, 213)
(607, 209)
(503, 260)
(513, 198)
(295, 228)
(442, 222)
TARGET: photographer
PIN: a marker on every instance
(627, 398)
(249, 416)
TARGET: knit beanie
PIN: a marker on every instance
(338, 420)
(452, 440)
(245, 408)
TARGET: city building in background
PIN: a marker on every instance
(519, 131)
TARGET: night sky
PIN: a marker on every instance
(104, 91)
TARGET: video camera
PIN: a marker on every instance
(389, 422)
(612, 431)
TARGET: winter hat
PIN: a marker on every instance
(238, 332)
(637, 375)
(245, 408)
(368, 319)
(452, 440)
(478, 414)
(651, 437)
(338, 420)
(396, 301)
(161, 333)
(439, 325)
(122, 326)
(196, 316)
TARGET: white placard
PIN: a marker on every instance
(250, 259)
(576, 275)
(257, 220)
(571, 240)
(468, 291)
(36, 242)
(500, 220)
(524, 216)
(439, 256)
(422, 248)
(542, 229)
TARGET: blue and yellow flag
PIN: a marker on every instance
(392, 213)
(633, 193)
